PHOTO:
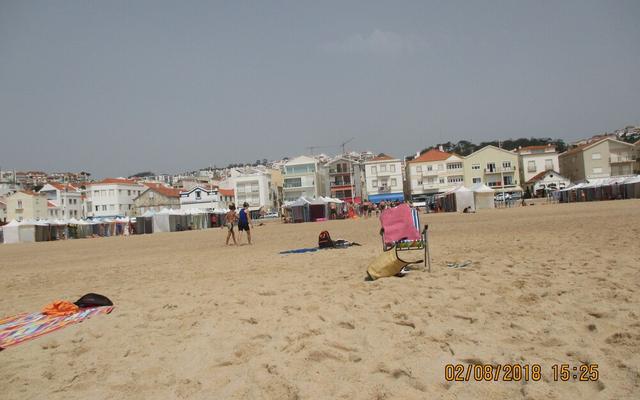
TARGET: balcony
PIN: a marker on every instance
(384, 189)
(429, 173)
(499, 170)
(619, 159)
(340, 184)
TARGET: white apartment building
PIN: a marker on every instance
(536, 159)
(433, 172)
(302, 178)
(112, 197)
(384, 179)
(65, 200)
(255, 189)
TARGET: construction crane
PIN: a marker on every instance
(341, 145)
(345, 143)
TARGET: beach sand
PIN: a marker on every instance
(548, 284)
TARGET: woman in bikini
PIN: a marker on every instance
(231, 218)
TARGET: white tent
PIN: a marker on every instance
(11, 232)
(464, 199)
(161, 221)
(483, 196)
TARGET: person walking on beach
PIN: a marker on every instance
(230, 220)
(245, 220)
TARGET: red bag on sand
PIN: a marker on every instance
(60, 308)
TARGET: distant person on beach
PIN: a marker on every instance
(230, 220)
(333, 212)
(244, 221)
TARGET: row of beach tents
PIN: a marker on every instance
(166, 220)
(601, 189)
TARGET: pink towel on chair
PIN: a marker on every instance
(398, 224)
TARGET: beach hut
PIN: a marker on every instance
(318, 209)
(483, 196)
(632, 187)
(455, 200)
(144, 223)
(297, 210)
(42, 231)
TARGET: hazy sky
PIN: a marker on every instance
(116, 87)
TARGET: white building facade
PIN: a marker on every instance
(200, 197)
(112, 197)
(255, 189)
(546, 182)
(66, 200)
(301, 178)
(536, 159)
(384, 179)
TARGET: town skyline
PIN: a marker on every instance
(116, 87)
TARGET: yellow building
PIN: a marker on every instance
(494, 167)
(25, 204)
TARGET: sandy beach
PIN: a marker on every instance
(548, 284)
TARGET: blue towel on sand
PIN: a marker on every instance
(298, 251)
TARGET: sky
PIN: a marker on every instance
(119, 87)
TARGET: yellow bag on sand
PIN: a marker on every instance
(385, 265)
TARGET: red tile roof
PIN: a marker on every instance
(226, 192)
(163, 190)
(382, 157)
(60, 186)
(51, 205)
(432, 155)
(29, 192)
(115, 181)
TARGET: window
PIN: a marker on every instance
(475, 166)
(19, 203)
(596, 156)
(455, 179)
(128, 192)
(292, 182)
(374, 183)
(531, 166)
(97, 208)
(441, 180)
(383, 168)
(508, 180)
(491, 167)
(393, 182)
(392, 168)
(548, 164)
(374, 170)
(430, 167)
(419, 168)
(198, 194)
(477, 180)
(506, 164)
(418, 182)
(454, 165)
(104, 207)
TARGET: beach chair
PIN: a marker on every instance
(401, 231)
